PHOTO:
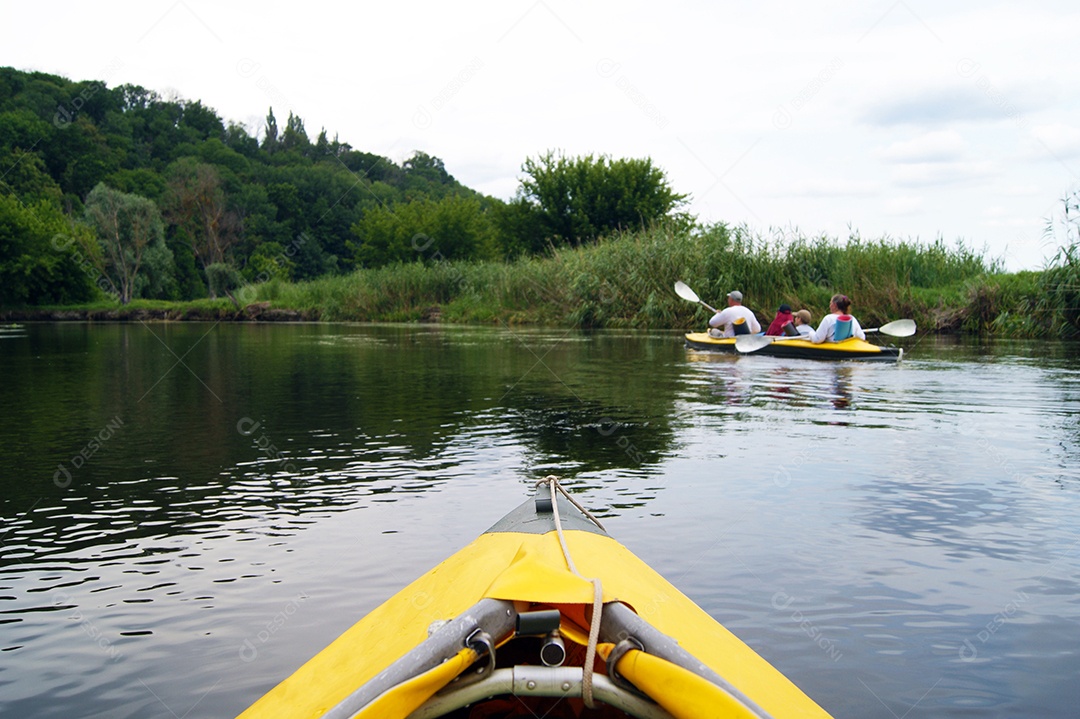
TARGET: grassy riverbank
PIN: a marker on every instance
(626, 281)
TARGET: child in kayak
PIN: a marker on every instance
(838, 325)
(803, 324)
(783, 316)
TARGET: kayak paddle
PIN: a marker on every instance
(682, 290)
(899, 328)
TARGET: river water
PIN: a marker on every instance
(190, 511)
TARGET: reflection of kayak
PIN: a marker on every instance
(850, 349)
(518, 604)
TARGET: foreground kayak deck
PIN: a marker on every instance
(471, 638)
(849, 349)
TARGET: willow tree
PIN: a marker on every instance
(132, 241)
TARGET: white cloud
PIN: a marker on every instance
(1020, 190)
(1023, 222)
(903, 206)
(829, 188)
(936, 146)
(975, 101)
(1057, 141)
(922, 174)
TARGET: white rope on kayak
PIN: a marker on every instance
(598, 597)
(551, 478)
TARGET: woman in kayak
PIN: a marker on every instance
(838, 325)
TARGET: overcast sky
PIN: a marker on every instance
(910, 118)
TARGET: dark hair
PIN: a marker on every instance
(842, 302)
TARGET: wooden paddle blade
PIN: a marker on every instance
(752, 343)
(899, 328)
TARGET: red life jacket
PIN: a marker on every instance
(777, 326)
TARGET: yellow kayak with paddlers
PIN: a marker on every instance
(851, 348)
(544, 614)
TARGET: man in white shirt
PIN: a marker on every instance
(735, 314)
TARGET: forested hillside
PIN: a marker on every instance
(287, 204)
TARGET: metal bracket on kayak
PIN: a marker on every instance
(488, 621)
(526, 681)
(619, 622)
(618, 625)
(481, 643)
(618, 653)
(496, 617)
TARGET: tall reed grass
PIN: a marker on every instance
(1059, 298)
(627, 280)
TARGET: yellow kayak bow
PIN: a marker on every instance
(544, 614)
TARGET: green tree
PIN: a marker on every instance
(202, 122)
(322, 144)
(521, 228)
(40, 260)
(427, 166)
(454, 228)
(269, 261)
(197, 205)
(237, 138)
(21, 129)
(288, 208)
(578, 200)
(310, 259)
(79, 156)
(189, 283)
(295, 137)
(132, 239)
(143, 181)
(270, 139)
(215, 152)
(223, 279)
(28, 179)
